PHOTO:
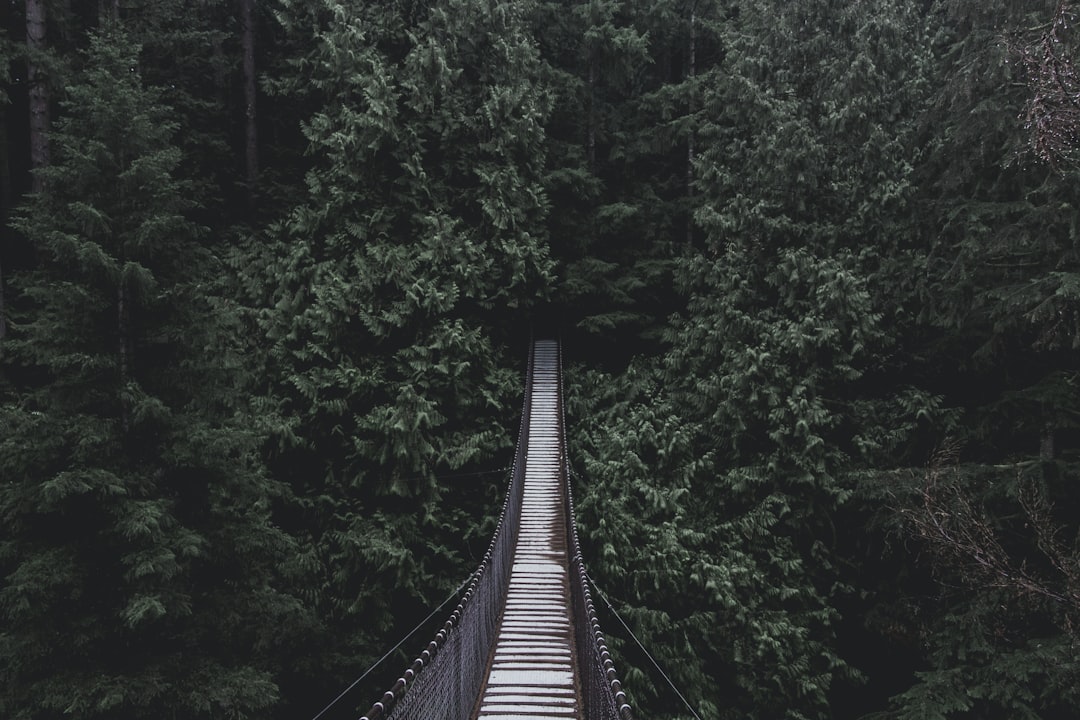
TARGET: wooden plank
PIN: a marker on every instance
(532, 672)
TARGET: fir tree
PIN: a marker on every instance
(619, 135)
(389, 293)
(801, 176)
(1001, 268)
(997, 283)
(137, 553)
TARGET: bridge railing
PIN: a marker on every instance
(601, 691)
(445, 681)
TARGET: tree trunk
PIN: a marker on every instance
(1046, 443)
(590, 131)
(247, 26)
(691, 71)
(5, 167)
(3, 323)
(108, 12)
(38, 90)
(124, 331)
(5, 203)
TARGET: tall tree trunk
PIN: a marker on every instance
(5, 167)
(39, 91)
(123, 323)
(108, 11)
(5, 203)
(691, 71)
(247, 26)
(1046, 443)
(590, 131)
(3, 323)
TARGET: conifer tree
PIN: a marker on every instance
(620, 134)
(251, 131)
(137, 554)
(5, 176)
(38, 81)
(997, 280)
(1002, 267)
(390, 291)
(722, 468)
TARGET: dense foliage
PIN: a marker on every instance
(267, 274)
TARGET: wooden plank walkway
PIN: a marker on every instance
(532, 675)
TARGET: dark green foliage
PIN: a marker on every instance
(780, 326)
(730, 495)
(810, 344)
(390, 292)
(795, 250)
(618, 177)
(999, 632)
(1002, 262)
(137, 552)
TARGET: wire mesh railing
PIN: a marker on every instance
(602, 696)
(444, 682)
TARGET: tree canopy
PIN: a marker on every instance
(267, 276)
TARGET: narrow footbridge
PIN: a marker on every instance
(524, 642)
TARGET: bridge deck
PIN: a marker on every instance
(532, 673)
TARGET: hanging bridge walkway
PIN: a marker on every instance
(524, 642)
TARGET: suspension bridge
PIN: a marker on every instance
(524, 642)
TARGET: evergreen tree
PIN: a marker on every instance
(802, 177)
(5, 173)
(137, 554)
(997, 628)
(818, 239)
(38, 83)
(390, 292)
(620, 137)
(1001, 278)
(996, 280)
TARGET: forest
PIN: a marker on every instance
(268, 272)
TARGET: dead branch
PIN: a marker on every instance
(960, 532)
(1051, 115)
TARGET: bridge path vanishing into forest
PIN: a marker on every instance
(524, 642)
(532, 672)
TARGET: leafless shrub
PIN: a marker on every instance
(1051, 115)
(959, 530)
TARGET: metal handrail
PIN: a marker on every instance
(505, 535)
(602, 694)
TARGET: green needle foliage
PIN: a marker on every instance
(137, 551)
(815, 265)
(388, 295)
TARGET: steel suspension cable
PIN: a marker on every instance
(391, 651)
(656, 665)
(443, 681)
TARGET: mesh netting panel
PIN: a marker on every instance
(602, 696)
(444, 682)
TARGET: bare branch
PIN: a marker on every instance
(1051, 115)
(960, 532)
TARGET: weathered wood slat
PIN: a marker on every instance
(533, 676)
